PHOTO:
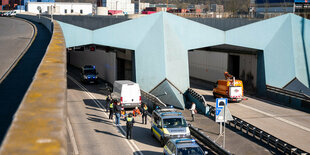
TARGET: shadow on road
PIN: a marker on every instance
(143, 135)
(108, 133)
(90, 103)
(147, 153)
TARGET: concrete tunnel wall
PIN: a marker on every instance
(39, 125)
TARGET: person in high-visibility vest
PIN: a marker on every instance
(129, 124)
(144, 114)
(111, 106)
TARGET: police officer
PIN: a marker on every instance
(108, 101)
(111, 106)
(129, 124)
(144, 114)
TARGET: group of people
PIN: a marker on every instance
(114, 106)
(116, 109)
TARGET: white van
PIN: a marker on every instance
(128, 93)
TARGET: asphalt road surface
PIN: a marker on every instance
(93, 132)
(15, 35)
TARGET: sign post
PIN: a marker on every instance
(222, 115)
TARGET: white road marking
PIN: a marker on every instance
(278, 118)
(72, 138)
(102, 109)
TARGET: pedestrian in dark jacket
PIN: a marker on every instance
(144, 114)
(108, 100)
(111, 107)
(117, 111)
(129, 124)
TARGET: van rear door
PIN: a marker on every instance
(130, 94)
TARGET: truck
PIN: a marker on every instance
(229, 88)
(127, 92)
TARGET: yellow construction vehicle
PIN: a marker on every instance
(229, 88)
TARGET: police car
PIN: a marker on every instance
(183, 147)
(89, 74)
(167, 124)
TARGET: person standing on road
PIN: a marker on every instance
(111, 106)
(129, 124)
(193, 111)
(108, 101)
(117, 110)
(144, 114)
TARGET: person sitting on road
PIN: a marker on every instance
(136, 112)
(123, 113)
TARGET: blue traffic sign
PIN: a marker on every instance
(220, 103)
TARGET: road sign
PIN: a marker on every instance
(222, 112)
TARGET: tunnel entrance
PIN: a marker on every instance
(210, 63)
(234, 65)
(111, 63)
(125, 65)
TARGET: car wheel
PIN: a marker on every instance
(152, 133)
(162, 143)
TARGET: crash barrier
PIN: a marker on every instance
(151, 101)
(289, 98)
(255, 132)
(207, 141)
(39, 125)
(39, 19)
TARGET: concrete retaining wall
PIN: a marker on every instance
(43, 20)
(39, 125)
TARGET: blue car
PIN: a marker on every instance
(183, 147)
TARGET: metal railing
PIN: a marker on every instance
(207, 141)
(152, 98)
(256, 132)
(290, 93)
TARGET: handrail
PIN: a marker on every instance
(294, 94)
(153, 98)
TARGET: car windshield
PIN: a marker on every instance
(174, 123)
(190, 150)
(88, 72)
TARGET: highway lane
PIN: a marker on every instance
(15, 35)
(290, 125)
(94, 132)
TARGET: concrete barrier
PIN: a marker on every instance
(39, 125)
(39, 19)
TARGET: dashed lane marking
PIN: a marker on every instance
(131, 144)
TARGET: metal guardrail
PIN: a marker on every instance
(290, 93)
(207, 141)
(152, 98)
(257, 133)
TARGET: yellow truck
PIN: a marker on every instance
(230, 88)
